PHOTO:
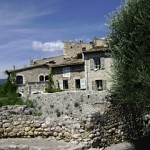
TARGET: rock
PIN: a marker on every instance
(36, 125)
(27, 129)
(43, 125)
(89, 126)
(6, 125)
(121, 146)
(58, 129)
(1, 130)
(30, 133)
(55, 134)
(75, 136)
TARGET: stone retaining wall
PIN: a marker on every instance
(72, 103)
(95, 128)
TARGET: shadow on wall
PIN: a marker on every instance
(142, 143)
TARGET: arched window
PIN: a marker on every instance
(46, 78)
(41, 78)
(19, 79)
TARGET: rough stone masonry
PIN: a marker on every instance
(100, 127)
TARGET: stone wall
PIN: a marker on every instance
(71, 49)
(31, 88)
(99, 127)
(71, 103)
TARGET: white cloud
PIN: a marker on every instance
(48, 46)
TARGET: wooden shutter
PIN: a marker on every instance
(102, 62)
(104, 84)
(93, 86)
(91, 64)
(61, 84)
(82, 84)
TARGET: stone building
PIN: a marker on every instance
(97, 63)
(69, 74)
(84, 66)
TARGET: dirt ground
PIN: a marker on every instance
(36, 144)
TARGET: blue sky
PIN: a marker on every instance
(34, 29)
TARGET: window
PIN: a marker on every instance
(41, 78)
(98, 84)
(84, 49)
(65, 84)
(77, 83)
(46, 78)
(66, 71)
(97, 63)
(19, 80)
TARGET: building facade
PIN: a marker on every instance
(84, 66)
(97, 65)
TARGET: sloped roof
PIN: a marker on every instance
(102, 49)
(55, 60)
(69, 62)
(28, 68)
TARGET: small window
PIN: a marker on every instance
(77, 83)
(98, 84)
(46, 78)
(84, 49)
(97, 63)
(41, 78)
(66, 71)
(19, 80)
(65, 84)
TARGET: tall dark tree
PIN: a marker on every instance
(129, 42)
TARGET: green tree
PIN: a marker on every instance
(129, 42)
(51, 86)
(8, 95)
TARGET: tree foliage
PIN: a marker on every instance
(129, 42)
(8, 91)
(51, 86)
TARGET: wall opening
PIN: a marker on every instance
(19, 79)
(65, 84)
(41, 78)
(77, 83)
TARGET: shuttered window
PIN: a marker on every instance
(98, 85)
